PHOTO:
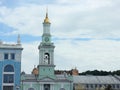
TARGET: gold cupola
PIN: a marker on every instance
(46, 20)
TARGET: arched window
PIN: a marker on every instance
(8, 77)
(47, 58)
(9, 68)
(30, 88)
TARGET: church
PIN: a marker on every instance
(43, 77)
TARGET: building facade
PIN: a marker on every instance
(43, 77)
(10, 65)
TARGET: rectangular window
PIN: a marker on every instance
(91, 86)
(8, 88)
(87, 86)
(118, 86)
(100, 85)
(12, 55)
(8, 78)
(6, 56)
(95, 85)
(113, 86)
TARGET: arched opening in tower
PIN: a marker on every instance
(47, 58)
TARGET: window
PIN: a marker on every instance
(7, 87)
(105, 85)
(9, 68)
(8, 77)
(113, 86)
(12, 56)
(87, 86)
(117, 86)
(6, 56)
(46, 58)
(91, 86)
(46, 86)
(100, 85)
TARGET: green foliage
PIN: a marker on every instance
(101, 73)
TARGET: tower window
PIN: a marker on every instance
(6, 56)
(12, 55)
(47, 58)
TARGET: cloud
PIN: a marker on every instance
(85, 55)
(86, 3)
(22, 19)
(85, 32)
(30, 56)
(79, 21)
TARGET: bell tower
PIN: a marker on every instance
(46, 52)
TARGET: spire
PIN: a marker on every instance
(18, 39)
(46, 20)
(46, 12)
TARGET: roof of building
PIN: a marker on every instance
(89, 79)
(32, 77)
(10, 46)
(29, 76)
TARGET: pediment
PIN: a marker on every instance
(47, 79)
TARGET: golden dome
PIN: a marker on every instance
(46, 20)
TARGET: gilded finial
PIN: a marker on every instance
(46, 20)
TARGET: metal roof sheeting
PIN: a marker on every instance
(89, 79)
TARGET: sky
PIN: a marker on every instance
(86, 33)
